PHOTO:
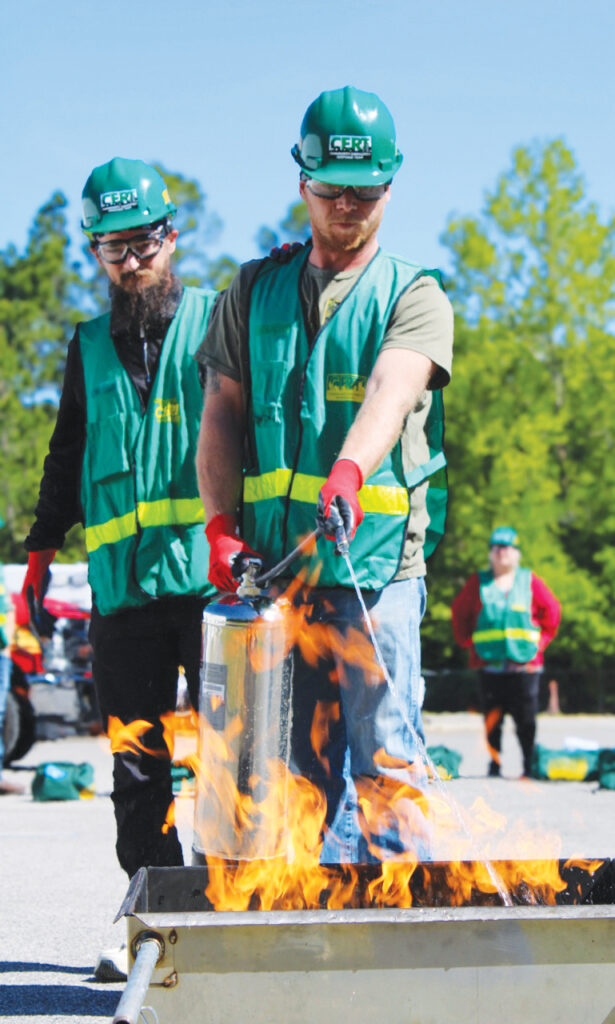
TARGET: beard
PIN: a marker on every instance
(345, 239)
(141, 304)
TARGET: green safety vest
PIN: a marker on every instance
(504, 629)
(144, 519)
(303, 404)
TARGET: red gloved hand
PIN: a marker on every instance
(228, 553)
(34, 586)
(338, 502)
(38, 564)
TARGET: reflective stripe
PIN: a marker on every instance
(489, 635)
(267, 485)
(374, 498)
(110, 532)
(164, 512)
(167, 511)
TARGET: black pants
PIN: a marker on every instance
(137, 654)
(515, 694)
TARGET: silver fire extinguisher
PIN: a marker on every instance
(245, 707)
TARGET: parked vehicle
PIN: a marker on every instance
(52, 691)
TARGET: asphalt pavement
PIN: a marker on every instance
(61, 886)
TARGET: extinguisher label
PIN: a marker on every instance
(213, 692)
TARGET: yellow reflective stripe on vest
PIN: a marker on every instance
(168, 511)
(374, 498)
(267, 485)
(486, 636)
(164, 512)
(110, 532)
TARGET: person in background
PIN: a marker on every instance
(506, 616)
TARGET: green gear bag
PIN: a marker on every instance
(564, 765)
(63, 780)
(606, 769)
(446, 761)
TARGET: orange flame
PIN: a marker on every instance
(492, 720)
(263, 835)
(285, 815)
(325, 712)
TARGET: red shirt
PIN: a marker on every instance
(545, 614)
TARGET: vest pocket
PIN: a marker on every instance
(268, 380)
(108, 447)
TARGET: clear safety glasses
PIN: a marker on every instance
(144, 247)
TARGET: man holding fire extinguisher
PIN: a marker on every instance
(323, 400)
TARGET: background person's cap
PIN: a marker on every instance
(504, 536)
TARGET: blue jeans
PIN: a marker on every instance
(365, 716)
(5, 679)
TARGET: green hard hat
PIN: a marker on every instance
(124, 194)
(348, 138)
(505, 537)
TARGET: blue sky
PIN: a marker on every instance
(218, 92)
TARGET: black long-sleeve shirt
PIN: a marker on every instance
(59, 501)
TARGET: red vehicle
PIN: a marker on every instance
(52, 690)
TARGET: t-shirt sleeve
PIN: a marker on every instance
(423, 321)
(224, 347)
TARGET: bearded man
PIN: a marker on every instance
(121, 462)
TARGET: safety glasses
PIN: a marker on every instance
(364, 193)
(144, 247)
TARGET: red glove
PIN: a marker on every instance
(38, 564)
(228, 553)
(338, 502)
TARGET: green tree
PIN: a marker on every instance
(530, 427)
(40, 297)
(294, 227)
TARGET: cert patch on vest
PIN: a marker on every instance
(122, 199)
(345, 387)
(350, 147)
(167, 410)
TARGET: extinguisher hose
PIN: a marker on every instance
(266, 577)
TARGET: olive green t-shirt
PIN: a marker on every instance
(422, 320)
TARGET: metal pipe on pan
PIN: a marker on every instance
(149, 947)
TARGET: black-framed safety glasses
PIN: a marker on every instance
(324, 190)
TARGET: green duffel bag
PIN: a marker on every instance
(606, 769)
(63, 780)
(446, 761)
(564, 765)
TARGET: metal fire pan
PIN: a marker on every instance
(429, 965)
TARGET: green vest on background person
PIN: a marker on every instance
(139, 489)
(304, 401)
(504, 630)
